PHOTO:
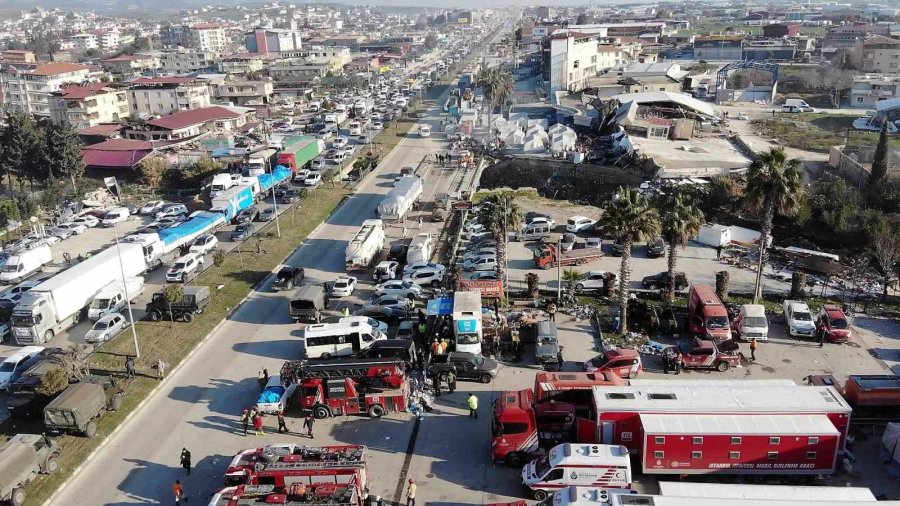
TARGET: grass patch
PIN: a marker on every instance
(816, 132)
(527, 193)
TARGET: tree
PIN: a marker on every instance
(21, 146)
(497, 86)
(174, 294)
(774, 185)
(53, 382)
(879, 164)
(61, 152)
(722, 281)
(499, 214)
(570, 277)
(431, 41)
(582, 19)
(629, 218)
(680, 222)
(533, 282)
(153, 169)
(886, 251)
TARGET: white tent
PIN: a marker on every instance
(890, 448)
(515, 138)
(519, 118)
(534, 144)
(562, 143)
(557, 129)
(537, 122)
(537, 131)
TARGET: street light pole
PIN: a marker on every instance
(274, 200)
(137, 350)
(558, 269)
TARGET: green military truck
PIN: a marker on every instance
(22, 458)
(79, 406)
(195, 300)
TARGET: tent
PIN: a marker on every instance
(557, 129)
(515, 138)
(537, 131)
(519, 119)
(562, 143)
(534, 144)
(890, 448)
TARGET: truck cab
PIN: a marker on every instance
(220, 183)
(707, 316)
(751, 323)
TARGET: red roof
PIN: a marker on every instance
(122, 153)
(164, 80)
(103, 129)
(127, 57)
(185, 119)
(52, 68)
(83, 91)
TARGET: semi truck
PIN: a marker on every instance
(401, 199)
(875, 398)
(467, 325)
(57, 304)
(365, 245)
(548, 255)
(157, 245)
(266, 181)
(363, 107)
(232, 201)
(222, 182)
(299, 150)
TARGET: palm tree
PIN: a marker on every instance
(680, 222)
(774, 184)
(570, 277)
(629, 217)
(497, 86)
(500, 214)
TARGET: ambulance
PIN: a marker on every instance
(585, 465)
(585, 496)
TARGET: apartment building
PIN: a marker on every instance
(272, 41)
(868, 90)
(127, 65)
(846, 36)
(204, 37)
(82, 42)
(27, 86)
(241, 64)
(609, 56)
(17, 56)
(160, 96)
(183, 60)
(342, 55)
(877, 53)
(109, 40)
(297, 69)
(241, 93)
(85, 106)
(185, 125)
(573, 60)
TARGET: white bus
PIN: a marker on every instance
(327, 340)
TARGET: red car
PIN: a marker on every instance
(834, 323)
(703, 355)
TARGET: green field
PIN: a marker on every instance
(816, 131)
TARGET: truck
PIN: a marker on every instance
(25, 398)
(707, 315)
(158, 245)
(113, 299)
(194, 301)
(798, 319)
(337, 493)
(875, 398)
(467, 325)
(232, 201)
(258, 162)
(222, 182)
(299, 151)
(401, 199)
(765, 492)
(275, 396)
(307, 303)
(547, 256)
(56, 305)
(22, 459)
(362, 250)
(363, 108)
(253, 182)
(79, 407)
(420, 249)
(349, 387)
(268, 180)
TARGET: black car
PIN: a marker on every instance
(661, 280)
(397, 253)
(290, 196)
(288, 278)
(466, 366)
(247, 215)
(656, 248)
(243, 232)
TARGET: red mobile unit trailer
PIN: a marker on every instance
(738, 444)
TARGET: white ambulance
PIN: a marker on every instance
(586, 465)
(586, 496)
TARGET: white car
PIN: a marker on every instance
(312, 179)
(183, 267)
(376, 125)
(473, 226)
(15, 362)
(301, 174)
(117, 215)
(486, 251)
(743, 117)
(579, 224)
(86, 220)
(399, 288)
(204, 244)
(481, 263)
(427, 276)
(593, 243)
(591, 280)
(343, 286)
(318, 163)
(106, 328)
(415, 266)
(75, 228)
(375, 324)
(172, 211)
(339, 142)
(542, 219)
(151, 207)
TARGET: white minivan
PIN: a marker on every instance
(327, 340)
(751, 323)
(111, 298)
(24, 264)
(117, 215)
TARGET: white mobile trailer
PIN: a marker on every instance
(365, 245)
(401, 198)
(668, 500)
(56, 304)
(765, 492)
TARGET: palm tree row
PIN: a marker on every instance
(499, 213)
(497, 86)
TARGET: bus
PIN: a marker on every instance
(328, 340)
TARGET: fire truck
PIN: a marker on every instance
(349, 387)
(318, 493)
(524, 421)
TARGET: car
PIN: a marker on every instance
(343, 286)
(656, 248)
(661, 280)
(426, 276)
(415, 266)
(397, 252)
(834, 323)
(203, 244)
(75, 228)
(347, 150)
(543, 219)
(484, 242)
(593, 243)
(183, 267)
(171, 211)
(481, 234)
(484, 276)
(267, 214)
(330, 154)
(318, 163)
(383, 312)
(473, 226)
(106, 328)
(486, 251)
(362, 139)
(390, 301)
(567, 241)
(372, 322)
(62, 233)
(247, 215)
(242, 232)
(376, 125)
(743, 116)
(13, 365)
(466, 366)
(290, 196)
(481, 263)
(154, 226)
(593, 280)
(701, 354)
(312, 179)
(288, 278)
(399, 288)
(339, 142)
(301, 174)
(86, 220)
(114, 216)
(579, 224)
(151, 208)
(624, 363)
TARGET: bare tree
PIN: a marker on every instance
(886, 250)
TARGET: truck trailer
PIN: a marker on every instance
(232, 201)
(548, 255)
(299, 151)
(400, 200)
(159, 244)
(57, 304)
(362, 250)
(268, 180)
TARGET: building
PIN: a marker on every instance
(846, 36)
(868, 90)
(89, 105)
(779, 30)
(623, 29)
(573, 60)
(27, 86)
(877, 53)
(297, 69)
(205, 37)
(242, 92)
(719, 47)
(160, 96)
(183, 125)
(127, 65)
(272, 41)
(342, 55)
(116, 154)
(185, 60)
(781, 50)
(84, 41)
(543, 12)
(242, 64)
(350, 41)
(17, 56)
(109, 40)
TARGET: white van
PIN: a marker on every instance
(117, 215)
(534, 232)
(111, 299)
(420, 248)
(586, 465)
(24, 264)
(327, 340)
(588, 496)
(425, 130)
(354, 128)
(751, 323)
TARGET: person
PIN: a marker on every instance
(451, 381)
(719, 252)
(419, 223)
(753, 346)
(186, 460)
(551, 310)
(129, 367)
(179, 492)
(258, 424)
(473, 406)
(160, 369)
(260, 380)
(346, 311)
(820, 335)
(411, 493)
(435, 347)
(265, 377)
(404, 232)
(245, 420)
(437, 385)
(281, 423)
(308, 425)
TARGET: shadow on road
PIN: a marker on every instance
(280, 350)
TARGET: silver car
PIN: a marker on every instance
(106, 328)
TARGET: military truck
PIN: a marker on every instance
(195, 300)
(22, 458)
(79, 406)
(30, 393)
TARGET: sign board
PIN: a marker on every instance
(466, 326)
(489, 288)
(440, 307)
(113, 186)
(461, 205)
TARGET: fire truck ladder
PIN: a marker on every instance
(357, 368)
(312, 464)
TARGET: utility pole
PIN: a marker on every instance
(558, 270)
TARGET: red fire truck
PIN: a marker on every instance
(318, 493)
(525, 420)
(349, 387)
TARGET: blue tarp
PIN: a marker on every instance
(190, 229)
(270, 395)
(267, 181)
(442, 306)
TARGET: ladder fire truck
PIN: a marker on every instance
(262, 495)
(349, 387)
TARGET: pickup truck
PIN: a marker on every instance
(798, 319)
(547, 256)
(288, 278)
(275, 396)
(700, 354)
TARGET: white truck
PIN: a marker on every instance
(420, 248)
(222, 182)
(112, 298)
(157, 245)
(798, 319)
(401, 199)
(796, 105)
(467, 325)
(24, 264)
(365, 245)
(364, 107)
(56, 304)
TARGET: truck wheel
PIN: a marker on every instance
(579, 287)
(540, 495)
(723, 366)
(436, 284)
(325, 356)
(580, 261)
(17, 498)
(184, 278)
(485, 378)
(321, 412)
(188, 317)
(154, 316)
(48, 336)
(376, 411)
(546, 267)
(632, 375)
(90, 429)
(52, 465)
(514, 459)
(115, 403)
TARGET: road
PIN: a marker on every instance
(199, 405)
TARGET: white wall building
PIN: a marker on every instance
(83, 41)
(573, 60)
(161, 96)
(27, 87)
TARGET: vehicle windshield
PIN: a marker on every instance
(599, 361)
(803, 317)
(11, 268)
(755, 321)
(542, 466)
(178, 266)
(101, 325)
(717, 322)
(100, 304)
(839, 323)
(7, 367)
(23, 320)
